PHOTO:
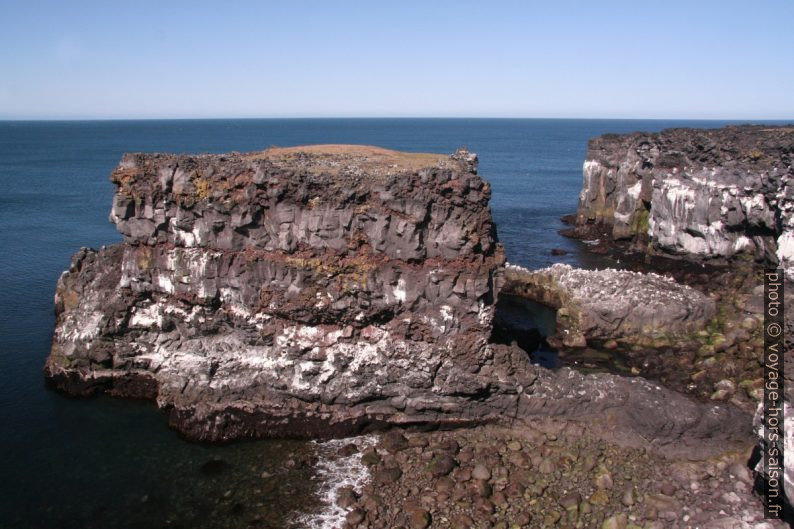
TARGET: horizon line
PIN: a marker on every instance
(253, 118)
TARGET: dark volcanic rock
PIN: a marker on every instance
(645, 490)
(289, 291)
(611, 304)
(320, 291)
(634, 411)
(441, 465)
(700, 193)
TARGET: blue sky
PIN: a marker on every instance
(610, 59)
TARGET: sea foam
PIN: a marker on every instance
(335, 472)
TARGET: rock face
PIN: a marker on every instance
(611, 304)
(327, 285)
(320, 291)
(711, 193)
(632, 411)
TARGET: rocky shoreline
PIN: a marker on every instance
(327, 291)
(701, 335)
(703, 195)
(550, 474)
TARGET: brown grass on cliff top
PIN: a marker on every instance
(335, 157)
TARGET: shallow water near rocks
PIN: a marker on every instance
(528, 324)
(109, 463)
(140, 474)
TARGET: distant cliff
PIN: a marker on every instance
(700, 193)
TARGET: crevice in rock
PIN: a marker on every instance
(528, 324)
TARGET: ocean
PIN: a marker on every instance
(107, 463)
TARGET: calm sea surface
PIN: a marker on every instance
(109, 463)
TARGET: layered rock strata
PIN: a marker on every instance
(714, 195)
(322, 291)
(701, 194)
(275, 290)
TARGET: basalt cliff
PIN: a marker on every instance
(326, 290)
(706, 197)
(291, 290)
(719, 199)
(711, 194)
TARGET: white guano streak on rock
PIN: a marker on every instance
(399, 291)
(634, 191)
(590, 169)
(785, 253)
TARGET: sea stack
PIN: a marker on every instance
(325, 291)
(308, 290)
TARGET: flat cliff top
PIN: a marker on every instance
(340, 197)
(339, 158)
(756, 146)
(333, 167)
(332, 159)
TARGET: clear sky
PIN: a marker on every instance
(610, 59)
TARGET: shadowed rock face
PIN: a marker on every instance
(322, 291)
(711, 193)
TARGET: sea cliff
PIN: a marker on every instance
(289, 291)
(324, 291)
(702, 194)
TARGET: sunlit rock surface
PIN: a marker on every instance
(701, 193)
(310, 287)
(320, 291)
(611, 304)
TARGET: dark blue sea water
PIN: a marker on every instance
(110, 463)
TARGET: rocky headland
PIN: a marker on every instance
(326, 291)
(713, 195)
(709, 209)
(290, 292)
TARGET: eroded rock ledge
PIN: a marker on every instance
(603, 305)
(325, 290)
(701, 194)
